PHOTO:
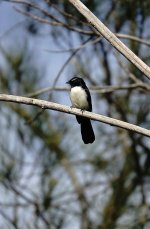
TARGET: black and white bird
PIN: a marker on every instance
(81, 99)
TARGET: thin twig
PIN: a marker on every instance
(65, 65)
(77, 48)
(94, 89)
(137, 81)
(134, 38)
(53, 23)
(57, 22)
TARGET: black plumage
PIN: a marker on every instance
(81, 99)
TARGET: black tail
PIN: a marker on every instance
(86, 130)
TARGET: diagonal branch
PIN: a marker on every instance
(115, 42)
(65, 109)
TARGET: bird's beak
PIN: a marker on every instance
(67, 82)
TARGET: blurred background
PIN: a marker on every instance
(48, 177)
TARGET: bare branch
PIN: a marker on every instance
(83, 45)
(94, 89)
(134, 38)
(57, 22)
(115, 42)
(65, 65)
(65, 109)
(53, 23)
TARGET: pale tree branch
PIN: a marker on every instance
(65, 109)
(111, 38)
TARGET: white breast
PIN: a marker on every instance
(79, 98)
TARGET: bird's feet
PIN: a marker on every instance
(82, 111)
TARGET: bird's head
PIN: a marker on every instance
(76, 81)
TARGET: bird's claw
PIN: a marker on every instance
(82, 111)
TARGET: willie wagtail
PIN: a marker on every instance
(81, 99)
